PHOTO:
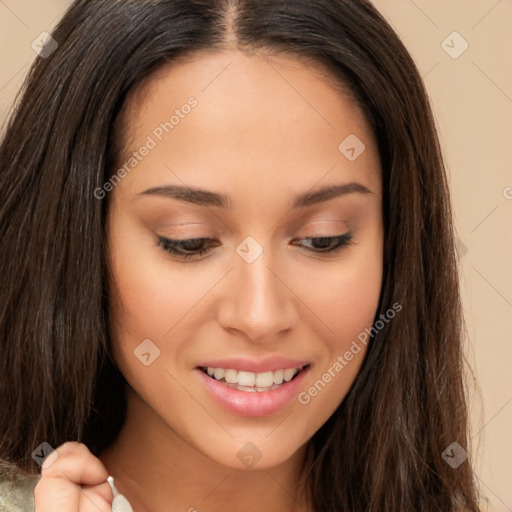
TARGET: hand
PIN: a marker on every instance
(75, 482)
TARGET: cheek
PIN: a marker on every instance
(152, 300)
(345, 298)
(152, 295)
(354, 298)
(345, 295)
(350, 311)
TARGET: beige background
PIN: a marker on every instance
(472, 100)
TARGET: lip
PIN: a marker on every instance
(268, 364)
(256, 403)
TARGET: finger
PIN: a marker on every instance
(93, 501)
(51, 494)
(76, 463)
(102, 490)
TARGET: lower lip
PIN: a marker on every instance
(253, 403)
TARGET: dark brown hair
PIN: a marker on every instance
(382, 448)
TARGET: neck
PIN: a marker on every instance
(158, 471)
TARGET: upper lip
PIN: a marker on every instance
(268, 364)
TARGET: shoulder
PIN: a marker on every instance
(16, 491)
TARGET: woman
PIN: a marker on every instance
(228, 266)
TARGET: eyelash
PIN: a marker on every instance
(175, 247)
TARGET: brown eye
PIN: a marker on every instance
(187, 247)
(326, 243)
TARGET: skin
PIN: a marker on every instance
(73, 480)
(265, 130)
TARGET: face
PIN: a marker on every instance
(245, 235)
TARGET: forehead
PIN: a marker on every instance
(257, 120)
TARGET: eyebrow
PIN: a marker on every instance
(207, 198)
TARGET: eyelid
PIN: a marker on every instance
(342, 241)
(171, 246)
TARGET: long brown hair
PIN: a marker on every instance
(382, 448)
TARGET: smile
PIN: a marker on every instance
(250, 381)
(246, 393)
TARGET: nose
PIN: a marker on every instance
(257, 302)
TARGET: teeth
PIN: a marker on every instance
(278, 376)
(231, 376)
(288, 374)
(250, 381)
(264, 380)
(246, 378)
(219, 373)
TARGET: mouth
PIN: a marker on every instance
(245, 393)
(250, 381)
